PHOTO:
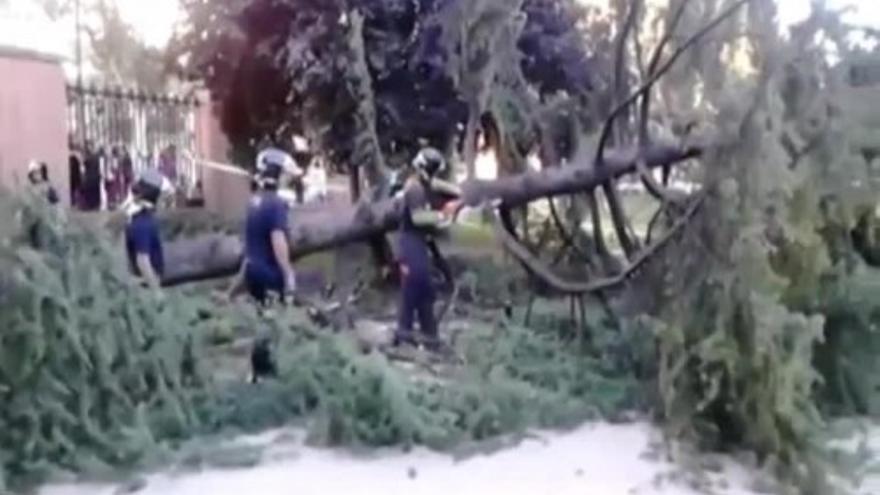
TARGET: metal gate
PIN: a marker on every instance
(153, 130)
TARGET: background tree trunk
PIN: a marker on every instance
(354, 183)
(469, 153)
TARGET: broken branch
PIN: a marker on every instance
(565, 287)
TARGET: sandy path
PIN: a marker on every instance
(598, 459)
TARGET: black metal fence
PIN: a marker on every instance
(152, 130)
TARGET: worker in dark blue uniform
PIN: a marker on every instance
(266, 270)
(415, 246)
(143, 242)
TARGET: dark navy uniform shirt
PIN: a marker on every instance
(48, 192)
(52, 196)
(142, 237)
(413, 246)
(267, 213)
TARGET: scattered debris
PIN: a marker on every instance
(132, 486)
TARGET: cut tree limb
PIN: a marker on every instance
(539, 269)
(217, 256)
(628, 242)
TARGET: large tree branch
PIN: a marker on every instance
(648, 180)
(541, 271)
(569, 239)
(661, 71)
(655, 61)
(618, 216)
(217, 256)
(620, 63)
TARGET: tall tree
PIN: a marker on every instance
(302, 51)
(114, 49)
(119, 55)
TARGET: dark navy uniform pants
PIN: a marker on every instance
(417, 300)
(263, 283)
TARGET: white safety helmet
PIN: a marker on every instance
(37, 171)
(272, 164)
(429, 162)
(149, 185)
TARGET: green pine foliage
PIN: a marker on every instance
(93, 369)
(99, 376)
(766, 337)
(512, 379)
(847, 358)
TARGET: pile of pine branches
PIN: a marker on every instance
(99, 376)
(94, 371)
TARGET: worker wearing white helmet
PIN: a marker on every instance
(266, 270)
(39, 187)
(423, 194)
(143, 241)
(273, 166)
(38, 177)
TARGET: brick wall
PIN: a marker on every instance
(225, 193)
(33, 118)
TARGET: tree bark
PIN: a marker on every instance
(354, 183)
(216, 255)
(470, 142)
(368, 150)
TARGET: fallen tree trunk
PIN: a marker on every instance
(216, 255)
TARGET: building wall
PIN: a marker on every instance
(226, 193)
(33, 118)
(33, 125)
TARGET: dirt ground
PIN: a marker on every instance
(599, 459)
(595, 459)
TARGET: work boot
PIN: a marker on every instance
(403, 339)
(431, 343)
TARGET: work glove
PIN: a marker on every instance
(290, 290)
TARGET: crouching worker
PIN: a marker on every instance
(416, 246)
(266, 271)
(38, 177)
(39, 187)
(142, 240)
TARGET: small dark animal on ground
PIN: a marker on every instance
(262, 361)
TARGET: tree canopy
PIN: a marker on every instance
(117, 53)
(290, 67)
